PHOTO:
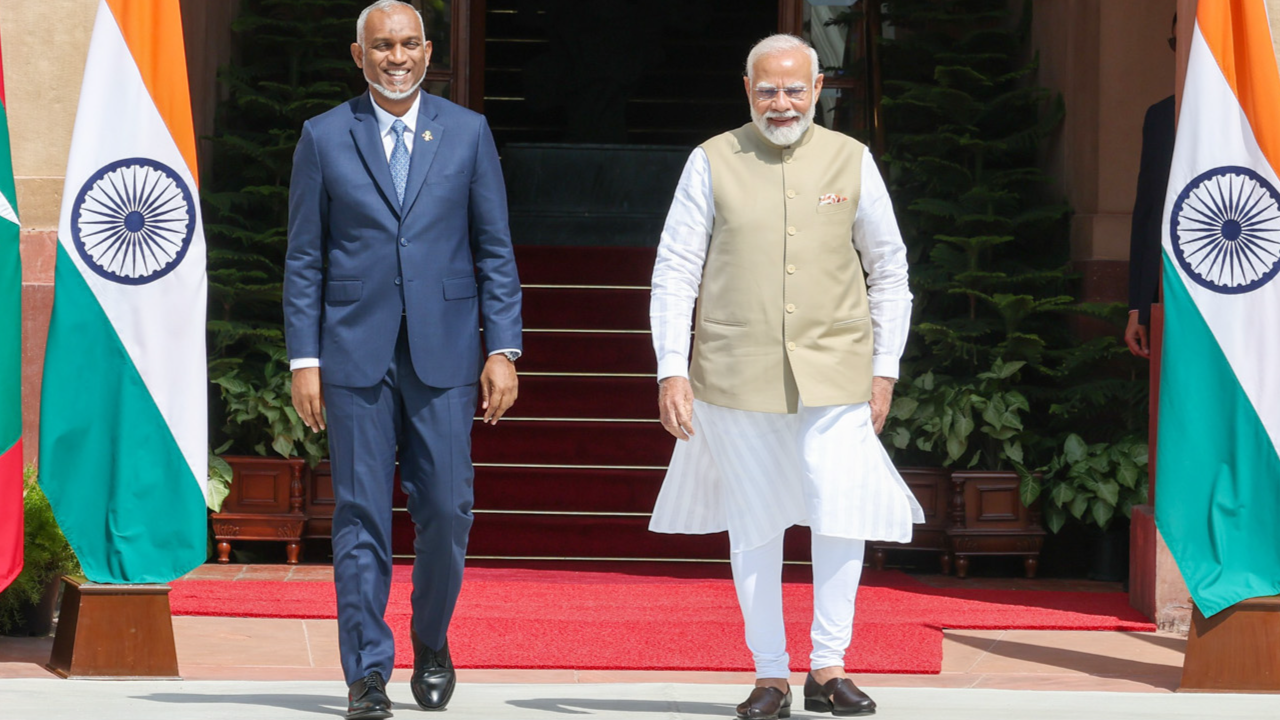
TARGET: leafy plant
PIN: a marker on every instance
(1090, 482)
(966, 424)
(987, 237)
(256, 392)
(46, 554)
(220, 477)
(291, 63)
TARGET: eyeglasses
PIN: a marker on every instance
(794, 92)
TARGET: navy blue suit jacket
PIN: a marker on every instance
(1148, 208)
(358, 259)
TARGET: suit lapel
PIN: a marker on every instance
(424, 151)
(369, 143)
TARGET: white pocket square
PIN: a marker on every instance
(832, 199)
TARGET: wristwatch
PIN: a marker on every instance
(511, 355)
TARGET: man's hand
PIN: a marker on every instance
(675, 405)
(881, 399)
(499, 387)
(1135, 336)
(308, 397)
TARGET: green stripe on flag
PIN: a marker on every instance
(121, 489)
(10, 303)
(10, 336)
(1217, 468)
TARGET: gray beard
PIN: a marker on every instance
(784, 136)
(396, 96)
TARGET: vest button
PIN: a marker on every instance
(791, 193)
(791, 269)
(404, 243)
(791, 231)
(787, 159)
(791, 308)
(397, 280)
(791, 346)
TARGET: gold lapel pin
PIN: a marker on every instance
(427, 136)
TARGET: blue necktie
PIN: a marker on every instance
(399, 159)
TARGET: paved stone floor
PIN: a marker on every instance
(47, 699)
(238, 667)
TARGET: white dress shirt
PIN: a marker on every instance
(385, 121)
(682, 253)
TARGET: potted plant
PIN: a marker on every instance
(265, 496)
(976, 428)
(27, 605)
(1098, 484)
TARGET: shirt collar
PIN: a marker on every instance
(385, 119)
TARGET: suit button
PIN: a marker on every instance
(791, 231)
(791, 269)
(791, 193)
(791, 308)
(791, 346)
(397, 279)
(404, 243)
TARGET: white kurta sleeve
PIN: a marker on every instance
(884, 257)
(677, 273)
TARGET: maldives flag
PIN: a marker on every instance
(10, 364)
(123, 436)
(1219, 425)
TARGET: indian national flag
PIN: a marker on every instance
(123, 432)
(10, 364)
(1218, 472)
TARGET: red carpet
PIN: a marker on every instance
(542, 619)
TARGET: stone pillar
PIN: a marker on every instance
(1110, 61)
(45, 45)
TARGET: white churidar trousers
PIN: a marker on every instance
(756, 474)
(757, 576)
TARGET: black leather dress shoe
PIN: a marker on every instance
(433, 676)
(367, 698)
(838, 696)
(766, 703)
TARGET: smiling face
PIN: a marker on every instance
(783, 118)
(394, 57)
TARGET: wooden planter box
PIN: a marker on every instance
(266, 503)
(318, 504)
(932, 489)
(988, 518)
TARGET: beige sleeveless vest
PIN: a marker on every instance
(782, 311)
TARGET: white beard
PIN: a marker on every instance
(784, 136)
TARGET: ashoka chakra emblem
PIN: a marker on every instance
(133, 221)
(1225, 230)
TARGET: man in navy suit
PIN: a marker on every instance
(398, 249)
(1148, 214)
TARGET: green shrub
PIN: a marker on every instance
(46, 554)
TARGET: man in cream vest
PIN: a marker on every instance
(782, 234)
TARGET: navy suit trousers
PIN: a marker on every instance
(431, 430)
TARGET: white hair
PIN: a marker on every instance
(385, 6)
(781, 43)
